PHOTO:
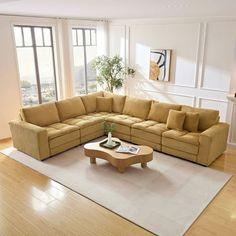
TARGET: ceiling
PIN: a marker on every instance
(113, 9)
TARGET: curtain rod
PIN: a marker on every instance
(53, 17)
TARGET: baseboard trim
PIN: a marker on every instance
(5, 139)
(232, 145)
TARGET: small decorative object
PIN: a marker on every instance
(109, 139)
(160, 64)
(128, 149)
(109, 128)
(111, 72)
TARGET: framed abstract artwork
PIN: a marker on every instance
(160, 64)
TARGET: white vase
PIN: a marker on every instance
(109, 139)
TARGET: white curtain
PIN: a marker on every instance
(102, 38)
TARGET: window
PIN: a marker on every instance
(84, 50)
(35, 54)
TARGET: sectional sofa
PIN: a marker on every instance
(193, 134)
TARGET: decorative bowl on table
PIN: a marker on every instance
(113, 145)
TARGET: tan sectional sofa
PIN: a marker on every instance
(193, 134)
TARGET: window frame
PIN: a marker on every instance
(84, 45)
(34, 46)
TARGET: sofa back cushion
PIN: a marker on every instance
(104, 104)
(207, 117)
(41, 115)
(137, 107)
(191, 121)
(117, 103)
(89, 101)
(70, 108)
(160, 111)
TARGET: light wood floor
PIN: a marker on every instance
(33, 204)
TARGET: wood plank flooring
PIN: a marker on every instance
(33, 204)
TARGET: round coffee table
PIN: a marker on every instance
(119, 160)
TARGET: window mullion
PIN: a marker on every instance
(85, 62)
(36, 65)
(54, 65)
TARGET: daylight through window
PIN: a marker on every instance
(84, 51)
(36, 62)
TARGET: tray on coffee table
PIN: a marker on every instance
(105, 145)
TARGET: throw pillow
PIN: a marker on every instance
(191, 121)
(89, 101)
(175, 120)
(104, 104)
(118, 101)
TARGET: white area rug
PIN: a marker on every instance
(164, 198)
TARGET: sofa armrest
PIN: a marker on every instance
(213, 143)
(30, 139)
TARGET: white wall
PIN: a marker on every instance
(9, 85)
(202, 58)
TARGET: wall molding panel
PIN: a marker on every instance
(202, 45)
(188, 100)
(201, 70)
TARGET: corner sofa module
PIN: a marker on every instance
(135, 110)
(54, 127)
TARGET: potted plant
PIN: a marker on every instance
(111, 72)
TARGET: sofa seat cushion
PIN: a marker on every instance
(181, 140)
(123, 120)
(41, 115)
(84, 121)
(184, 136)
(60, 129)
(90, 126)
(149, 130)
(151, 127)
(102, 114)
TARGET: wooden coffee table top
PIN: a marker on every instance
(118, 160)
